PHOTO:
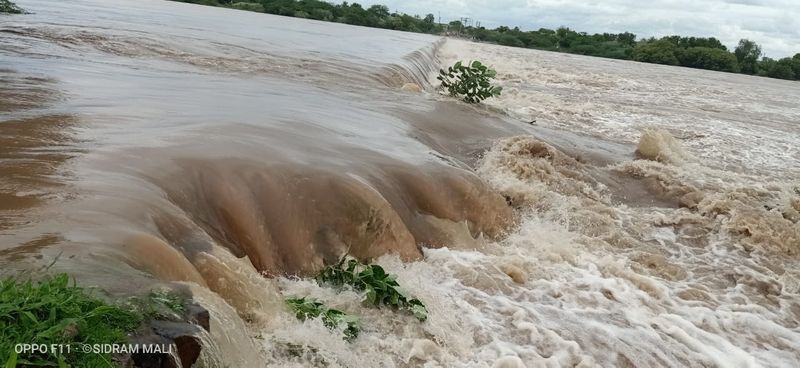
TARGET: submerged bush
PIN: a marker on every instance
(471, 80)
(331, 318)
(6, 6)
(52, 311)
(381, 288)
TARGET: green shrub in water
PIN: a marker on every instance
(6, 6)
(381, 288)
(472, 81)
(305, 308)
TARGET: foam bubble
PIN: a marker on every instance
(660, 145)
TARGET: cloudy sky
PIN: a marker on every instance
(775, 24)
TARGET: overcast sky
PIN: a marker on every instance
(775, 24)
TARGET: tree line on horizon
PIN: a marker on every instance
(693, 52)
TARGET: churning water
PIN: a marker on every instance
(648, 217)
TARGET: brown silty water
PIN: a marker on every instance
(225, 151)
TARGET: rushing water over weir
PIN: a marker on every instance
(225, 152)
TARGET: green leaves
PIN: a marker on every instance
(381, 288)
(173, 302)
(418, 309)
(12, 360)
(472, 81)
(53, 312)
(6, 6)
(331, 318)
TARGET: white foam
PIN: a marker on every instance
(730, 121)
(580, 306)
(605, 284)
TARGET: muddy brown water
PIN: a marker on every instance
(160, 143)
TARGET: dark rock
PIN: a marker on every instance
(181, 339)
(198, 315)
(173, 343)
(150, 360)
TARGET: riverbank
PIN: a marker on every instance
(53, 322)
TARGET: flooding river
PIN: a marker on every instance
(648, 217)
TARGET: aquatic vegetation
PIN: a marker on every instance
(52, 311)
(381, 288)
(305, 308)
(6, 6)
(174, 302)
(471, 80)
(160, 304)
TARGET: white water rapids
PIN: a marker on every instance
(655, 209)
(712, 283)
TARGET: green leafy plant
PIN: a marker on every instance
(381, 288)
(6, 6)
(473, 81)
(52, 311)
(174, 302)
(305, 308)
(160, 304)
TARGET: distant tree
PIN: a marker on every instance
(796, 66)
(687, 42)
(280, 7)
(510, 40)
(626, 38)
(429, 18)
(565, 36)
(782, 69)
(710, 42)
(542, 40)
(658, 52)
(584, 49)
(354, 14)
(456, 25)
(409, 23)
(747, 54)
(708, 58)
(321, 14)
(380, 11)
(765, 65)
